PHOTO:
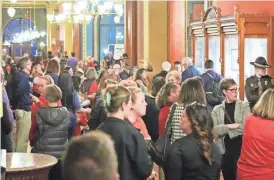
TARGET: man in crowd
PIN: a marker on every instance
(166, 66)
(211, 80)
(72, 62)
(177, 66)
(91, 156)
(257, 84)
(190, 69)
(21, 104)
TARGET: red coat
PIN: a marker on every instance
(257, 156)
(163, 115)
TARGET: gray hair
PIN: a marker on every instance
(91, 73)
(187, 61)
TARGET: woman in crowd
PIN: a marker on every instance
(192, 90)
(130, 146)
(194, 156)
(150, 73)
(70, 100)
(53, 70)
(256, 161)
(36, 74)
(168, 95)
(94, 87)
(174, 76)
(141, 79)
(44, 81)
(68, 69)
(138, 110)
(152, 111)
(86, 65)
(229, 120)
(98, 112)
(80, 65)
(90, 76)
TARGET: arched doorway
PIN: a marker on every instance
(16, 26)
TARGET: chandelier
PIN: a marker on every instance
(11, 11)
(28, 35)
(84, 11)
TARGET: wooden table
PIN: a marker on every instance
(28, 166)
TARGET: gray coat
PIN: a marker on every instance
(218, 115)
(52, 136)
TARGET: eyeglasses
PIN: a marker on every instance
(235, 90)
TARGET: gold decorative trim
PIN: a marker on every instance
(84, 40)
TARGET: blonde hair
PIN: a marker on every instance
(48, 79)
(53, 93)
(134, 91)
(115, 96)
(162, 97)
(264, 108)
(175, 74)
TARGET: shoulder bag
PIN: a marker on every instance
(158, 150)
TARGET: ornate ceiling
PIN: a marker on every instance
(30, 3)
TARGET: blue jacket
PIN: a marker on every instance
(206, 77)
(190, 72)
(23, 88)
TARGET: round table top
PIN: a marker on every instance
(28, 161)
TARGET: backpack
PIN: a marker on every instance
(214, 95)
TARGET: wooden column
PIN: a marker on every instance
(140, 35)
(131, 31)
(68, 42)
(76, 41)
(177, 23)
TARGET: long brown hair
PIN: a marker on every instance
(192, 90)
(162, 96)
(202, 125)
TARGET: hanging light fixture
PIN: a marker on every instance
(13, 1)
(84, 11)
(11, 12)
(29, 34)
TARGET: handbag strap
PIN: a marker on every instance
(227, 116)
(169, 121)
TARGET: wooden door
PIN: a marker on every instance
(18, 50)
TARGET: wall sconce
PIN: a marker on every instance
(42, 45)
(53, 41)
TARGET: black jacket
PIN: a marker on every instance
(133, 159)
(52, 136)
(252, 88)
(185, 162)
(160, 74)
(98, 113)
(151, 118)
(6, 128)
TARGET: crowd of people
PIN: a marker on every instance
(112, 121)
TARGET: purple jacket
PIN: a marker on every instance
(5, 99)
(72, 62)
